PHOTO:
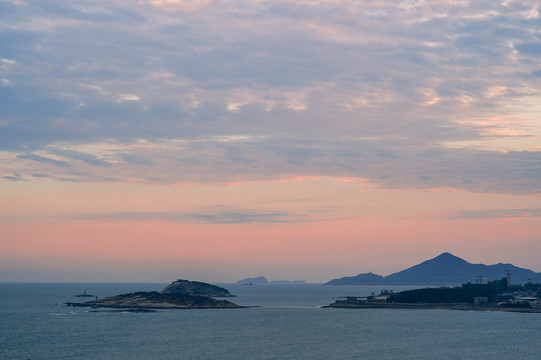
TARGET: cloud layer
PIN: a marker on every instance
(215, 215)
(407, 94)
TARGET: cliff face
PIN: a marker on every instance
(195, 288)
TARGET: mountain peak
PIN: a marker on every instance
(444, 269)
(446, 255)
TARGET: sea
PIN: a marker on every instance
(282, 322)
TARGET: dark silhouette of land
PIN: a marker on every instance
(361, 279)
(445, 269)
(259, 280)
(495, 295)
(180, 294)
(195, 288)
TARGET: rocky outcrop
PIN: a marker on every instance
(195, 288)
(156, 300)
(180, 294)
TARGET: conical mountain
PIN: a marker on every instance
(449, 269)
(444, 269)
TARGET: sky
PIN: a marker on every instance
(215, 140)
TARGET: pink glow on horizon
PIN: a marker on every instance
(287, 166)
(335, 247)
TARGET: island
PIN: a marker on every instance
(495, 295)
(180, 294)
(195, 288)
(261, 280)
(258, 280)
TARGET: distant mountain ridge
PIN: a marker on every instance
(444, 269)
(364, 279)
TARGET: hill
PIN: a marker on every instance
(156, 300)
(444, 269)
(180, 294)
(361, 279)
(195, 288)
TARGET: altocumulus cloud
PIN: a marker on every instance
(406, 94)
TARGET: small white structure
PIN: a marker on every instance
(529, 299)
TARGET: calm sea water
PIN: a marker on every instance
(288, 325)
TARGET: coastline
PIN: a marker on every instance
(434, 306)
(153, 307)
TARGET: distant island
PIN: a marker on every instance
(261, 280)
(180, 294)
(445, 269)
(495, 295)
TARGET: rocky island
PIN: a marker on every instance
(180, 294)
(195, 288)
(258, 280)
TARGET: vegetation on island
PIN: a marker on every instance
(493, 295)
(464, 294)
(181, 294)
(195, 288)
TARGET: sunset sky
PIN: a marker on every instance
(214, 140)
